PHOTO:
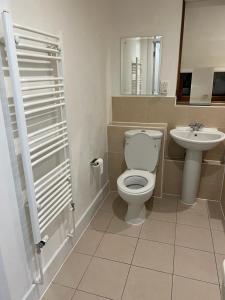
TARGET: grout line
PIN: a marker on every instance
(61, 285)
(131, 263)
(92, 256)
(174, 253)
(217, 271)
(138, 238)
(195, 279)
(94, 294)
(222, 184)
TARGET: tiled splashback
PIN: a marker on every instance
(154, 110)
(164, 110)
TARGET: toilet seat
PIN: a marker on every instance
(136, 182)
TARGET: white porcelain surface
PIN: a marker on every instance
(136, 185)
(140, 146)
(136, 198)
(194, 142)
(204, 139)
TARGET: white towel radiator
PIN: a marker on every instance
(35, 67)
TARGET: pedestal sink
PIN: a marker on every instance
(194, 142)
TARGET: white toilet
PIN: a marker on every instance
(136, 185)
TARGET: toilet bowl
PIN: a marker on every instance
(136, 185)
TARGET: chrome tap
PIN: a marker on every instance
(196, 126)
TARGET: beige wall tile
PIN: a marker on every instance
(117, 164)
(113, 183)
(131, 109)
(216, 218)
(223, 197)
(163, 110)
(116, 138)
(172, 176)
(211, 182)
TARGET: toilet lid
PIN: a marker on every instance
(141, 152)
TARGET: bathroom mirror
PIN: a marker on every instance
(201, 74)
(140, 65)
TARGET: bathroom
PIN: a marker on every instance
(172, 245)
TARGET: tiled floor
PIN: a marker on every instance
(175, 255)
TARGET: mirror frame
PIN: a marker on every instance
(215, 100)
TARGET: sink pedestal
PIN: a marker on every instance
(191, 176)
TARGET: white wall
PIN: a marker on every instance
(89, 53)
(86, 39)
(148, 18)
(204, 35)
(14, 269)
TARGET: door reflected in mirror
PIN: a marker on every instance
(140, 65)
(201, 76)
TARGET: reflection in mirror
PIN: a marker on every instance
(201, 78)
(140, 65)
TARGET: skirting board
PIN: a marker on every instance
(50, 271)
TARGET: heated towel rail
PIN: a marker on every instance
(34, 62)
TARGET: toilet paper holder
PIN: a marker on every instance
(94, 162)
(97, 163)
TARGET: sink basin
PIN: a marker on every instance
(194, 142)
(202, 140)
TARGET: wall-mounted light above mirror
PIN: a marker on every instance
(201, 74)
(140, 65)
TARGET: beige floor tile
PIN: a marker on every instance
(200, 207)
(89, 242)
(215, 215)
(111, 203)
(105, 278)
(144, 284)
(219, 241)
(158, 231)
(186, 289)
(193, 218)
(57, 292)
(101, 221)
(73, 270)
(219, 261)
(121, 227)
(194, 237)
(154, 255)
(79, 295)
(163, 209)
(195, 264)
(117, 247)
